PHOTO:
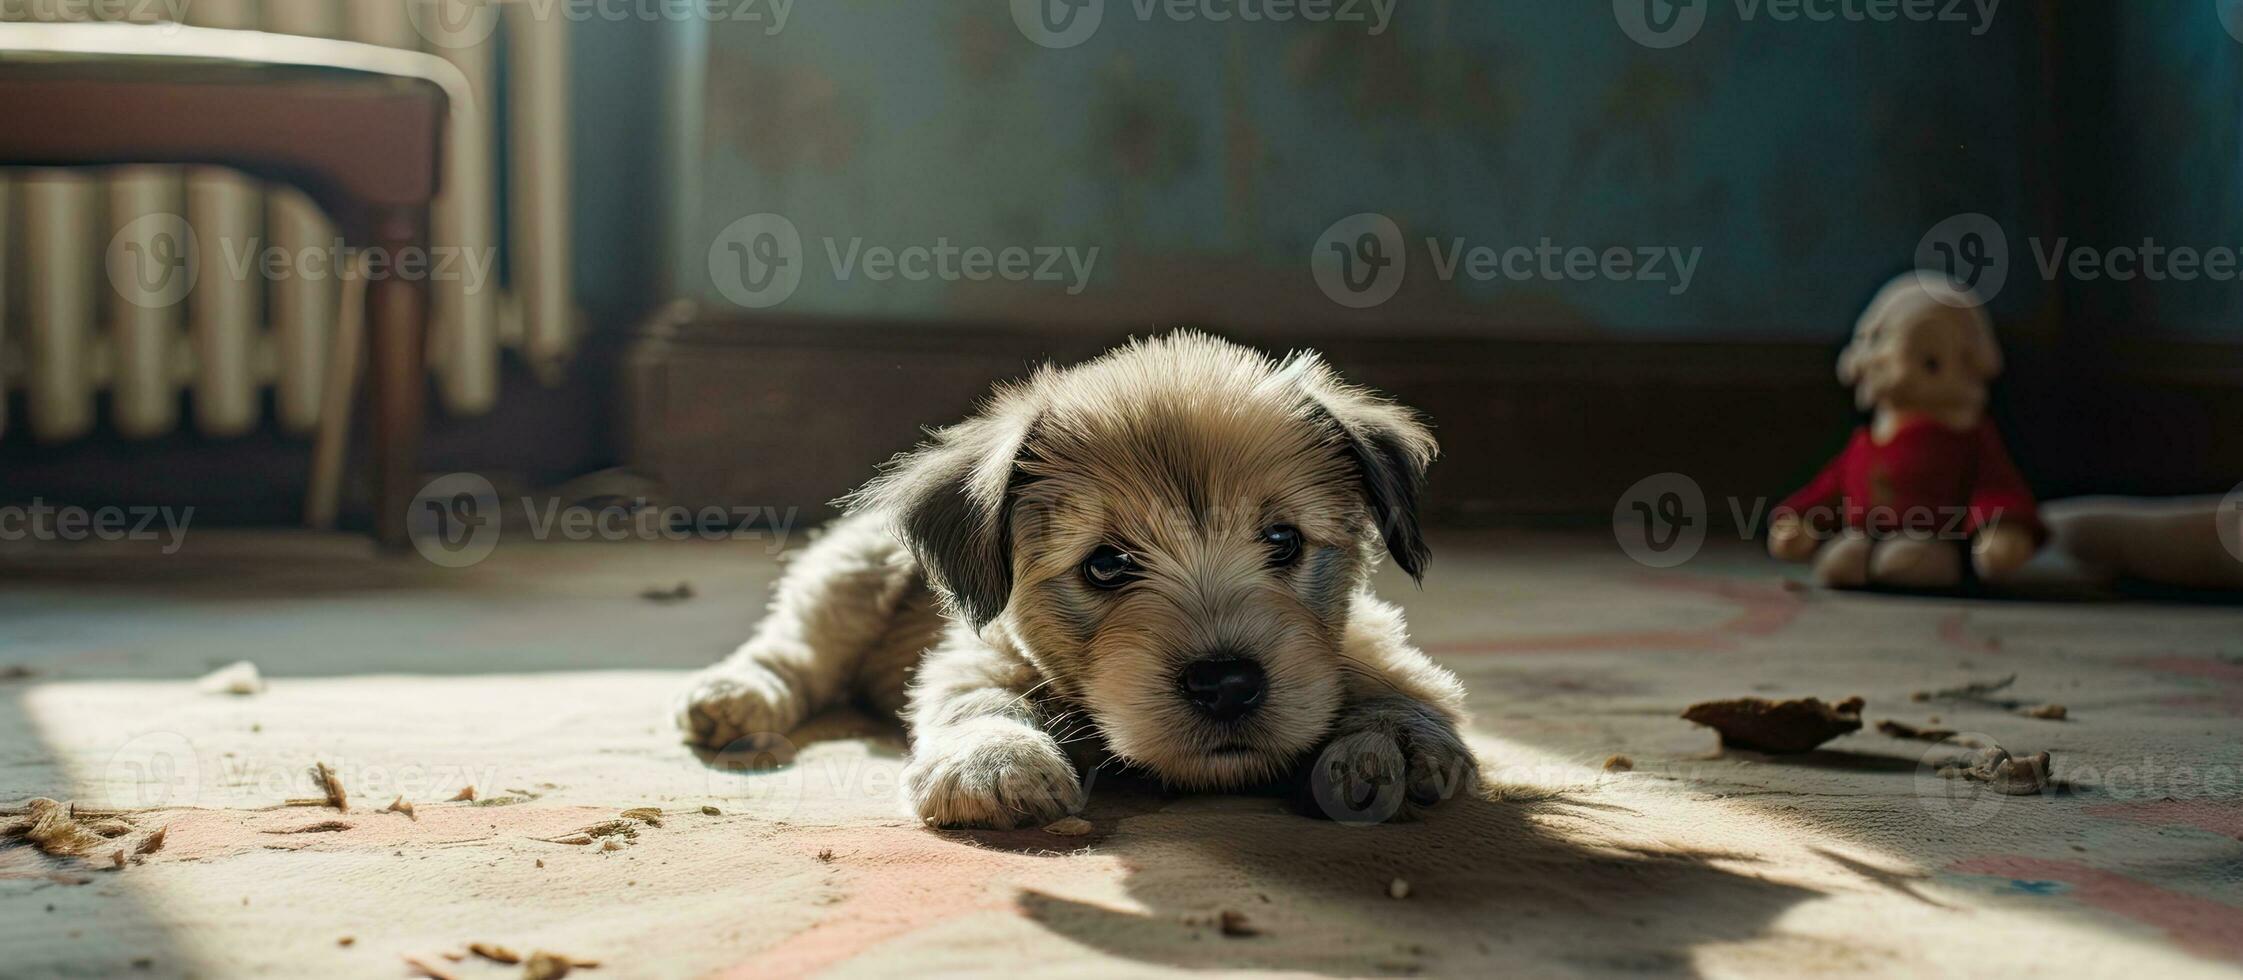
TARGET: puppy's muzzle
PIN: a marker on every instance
(1224, 686)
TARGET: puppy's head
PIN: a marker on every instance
(1173, 535)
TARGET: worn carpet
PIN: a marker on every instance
(540, 679)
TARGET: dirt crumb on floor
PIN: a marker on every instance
(2004, 773)
(404, 806)
(154, 842)
(1779, 727)
(650, 816)
(424, 968)
(1619, 763)
(682, 592)
(586, 835)
(547, 966)
(1068, 827)
(1234, 924)
(466, 795)
(331, 785)
(2047, 712)
(495, 953)
(1900, 729)
(711, 811)
(322, 827)
(53, 829)
(1975, 692)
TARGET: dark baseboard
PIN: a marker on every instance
(734, 410)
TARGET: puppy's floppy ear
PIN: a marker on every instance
(1390, 448)
(950, 500)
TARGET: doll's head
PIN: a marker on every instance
(1922, 346)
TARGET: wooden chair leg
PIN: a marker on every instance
(397, 317)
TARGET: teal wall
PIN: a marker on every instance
(2166, 163)
(1204, 160)
(1803, 161)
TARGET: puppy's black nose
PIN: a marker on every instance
(1225, 689)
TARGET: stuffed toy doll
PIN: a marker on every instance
(1928, 473)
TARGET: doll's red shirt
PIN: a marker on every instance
(1929, 478)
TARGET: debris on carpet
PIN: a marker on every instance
(2047, 712)
(495, 953)
(328, 784)
(2004, 773)
(681, 593)
(1777, 727)
(1975, 692)
(466, 795)
(55, 830)
(1898, 729)
(346, 941)
(1229, 922)
(154, 842)
(1068, 827)
(650, 816)
(545, 966)
(322, 827)
(431, 972)
(586, 835)
(1234, 924)
(711, 811)
(402, 805)
(1619, 763)
(238, 678)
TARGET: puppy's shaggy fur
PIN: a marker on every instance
(974, 589)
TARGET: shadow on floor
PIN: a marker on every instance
(1490, 885)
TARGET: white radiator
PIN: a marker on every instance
(69, 329)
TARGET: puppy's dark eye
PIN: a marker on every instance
(1109, 567)
(1284, 542)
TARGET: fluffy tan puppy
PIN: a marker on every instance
(1157, 559)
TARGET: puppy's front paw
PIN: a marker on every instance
(732, 702)
(996, 775)
(1390, 757)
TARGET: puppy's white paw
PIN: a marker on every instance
(1390, 757)
(738, 705)
(995, 775)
